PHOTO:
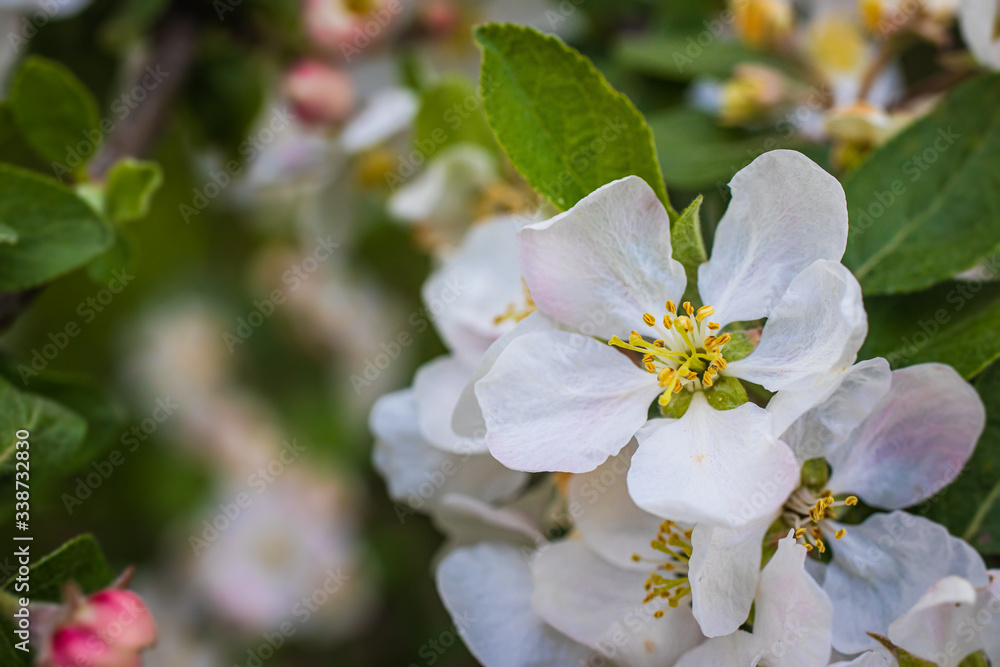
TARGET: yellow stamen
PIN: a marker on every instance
(851, 500)
(704, 312)
(688, 308)
(648, 319)
(671, 307)
(840, 533)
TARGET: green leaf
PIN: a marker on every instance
(681, 58)
(703, 154)
(977, 659)
(955, 323)
(903, 657)
(688, 242)
(970, 506)
(7, 234)
(130, 188)
(56, 432)
(727, 393)
(451, 112)
(57, 231)
(79, 560)
(561, 124)
(926, 205)
(54, 110)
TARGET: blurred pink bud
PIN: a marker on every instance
(347, 27)
(320, 94)
(107, 629)
(440, 17)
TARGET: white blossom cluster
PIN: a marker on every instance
(634, 469)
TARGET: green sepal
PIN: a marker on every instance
(727, 393)
(815, 474)
(678, 405)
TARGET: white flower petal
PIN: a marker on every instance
(602, 264)
(420, 474)
(436, 387)
(487, 590)
(467, 421)
(387, 113)
(444, 192)
(562, 401)
(608, 520)
(785, 214)
(881, 567)
(817, 327)
(714, 466)
(978, 19)
(847, 399)
(793, 616)
(737, 650)
(601, 606)
(475, 285)
(468, 520)
(916, 441)
(930, 630)
(724, 571)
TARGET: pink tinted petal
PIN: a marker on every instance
(916, 440)
(602, 264)
(561, 401)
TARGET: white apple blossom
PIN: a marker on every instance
(560, 400)
(952, 620)
(791, 626)
(977, 20)
(892, 439)
(593, 588)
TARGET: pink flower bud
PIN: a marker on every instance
(107, 629)
(320, 94)
(440, 17)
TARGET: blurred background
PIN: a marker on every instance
(231, 347)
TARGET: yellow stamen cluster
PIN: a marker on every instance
(675, 544)
(515, 313)
(689, 356)
(805, 512)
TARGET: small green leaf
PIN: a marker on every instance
(561, 124)
(977, 659)
(451, 112)
(926, 206)
(57, 231)
(55, 111)
(689, 244)
(130, 188)
(55, 431)
(80, 560)
(904, 658)
(727, 393)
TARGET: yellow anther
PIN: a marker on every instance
(658, 613)
(636, 558)
(851, 500)
(648, 319)
(659, 343)
(820, 546)
(714, 326)
(722, 363)
(840, 533)
(799, 532)
(650, 366)
(685, 323)
(724, 338)
(671, 307)
(707, 380)
(688, 308)
(667, 322)
(691, 375)
(704, 312)
(808, 546)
